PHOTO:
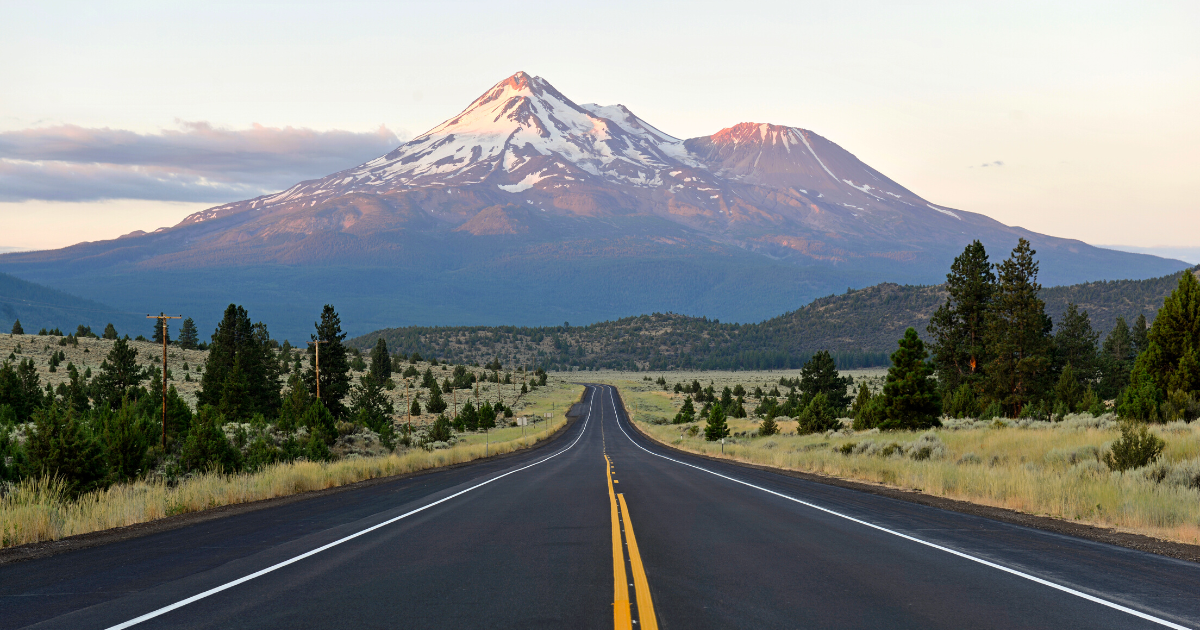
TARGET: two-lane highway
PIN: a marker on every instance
(602, 528)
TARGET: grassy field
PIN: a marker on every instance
(1049, 469)
(36, 510)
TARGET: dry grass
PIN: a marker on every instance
(1036, 468)
(36, 510)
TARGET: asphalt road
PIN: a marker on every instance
(556, 537)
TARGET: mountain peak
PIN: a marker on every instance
(757, 133)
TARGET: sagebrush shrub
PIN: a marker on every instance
(1136, 447)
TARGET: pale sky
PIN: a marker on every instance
(123, 116)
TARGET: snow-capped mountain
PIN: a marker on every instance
(524, 143)
(526, 183)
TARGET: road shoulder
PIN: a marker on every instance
(34, 551)
(1139, 542)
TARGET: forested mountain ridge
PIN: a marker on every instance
(860, 327)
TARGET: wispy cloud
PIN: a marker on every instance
(196, 162)
(987, 164)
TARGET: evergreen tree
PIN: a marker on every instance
(468, 418)
(1115, 360)
(910, 396)
(1172, 355)
(335, 363)
(962, 403)
(189, 337)
(687, 413)
(59, 446)
(295, 404)
(206, 447)
(436, 403)
(861, 400)
(1018, 335)
(959, 327)
(1139, 334)
(381, 362)
(818, 416)
(120, 376)
(820, 376)
(235, 402)
(1075, 343)
(487, 416)
(236, 343)
(768, 427)
(179, 414)
(127, 438)
(14, 463)
(319, 422)
(110, 332)
(157, 337)
(16, 329)
(20, 388)
(74, 393)
(1068, 391)
(371, 405)
(415, 408)
(716, 427)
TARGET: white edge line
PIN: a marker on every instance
(242, 580)
(1065, 589)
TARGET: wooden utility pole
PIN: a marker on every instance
(317, 347)
(162, 319)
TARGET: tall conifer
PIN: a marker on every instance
(335, 364)
(959, 327)
(1018, 334)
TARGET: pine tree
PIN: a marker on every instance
(110, 332)
(1068, 391)
(436, 403)
(716, 427)
(120, 375)
(817, 416)
(381, 362)
(687, 412)
(959, 327)
(414, 408)
(295, 404)
(1075, 343)
(189, 337)
(320, 422)
(371, 405)
(1115, 360)
(20, 388)
(1139, 334)
(820, 376)
(468, 418)
(768, 427)
(1018, 335)
(16, 329)
(206, 447)
(157, 337)
(127, 438)
(487, 416)
(59, 446)
(910, 396)
(335, 363)
(248, 346)
(861, 400)
(1172, 355)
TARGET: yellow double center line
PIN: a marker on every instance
(622, 619)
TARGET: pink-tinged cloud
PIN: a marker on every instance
(197, 162)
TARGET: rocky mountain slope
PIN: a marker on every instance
(527, 198)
